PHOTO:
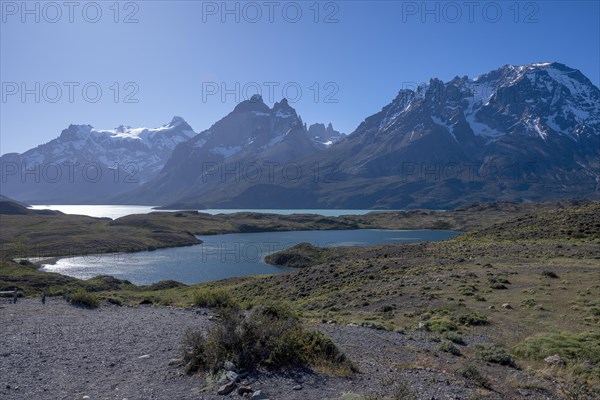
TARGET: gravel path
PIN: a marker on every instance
(58, 351)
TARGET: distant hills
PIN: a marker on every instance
(518, 133)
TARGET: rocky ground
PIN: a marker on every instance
(59, 351)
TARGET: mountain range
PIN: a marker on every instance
(85, 165)
(518, 133)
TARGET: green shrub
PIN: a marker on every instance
(83, 298)
(495, 354)
(528, 303)
(386, 308)
(276, 310)
(115, 300)
(473, 319)
(213, 298)
(454, 337)
(440, 325)
(447, 347)
(501, 279)
(498, 286)
(265, 336)
(467, 290)
(351, 396)
(472, 374)
(572, 347)
(401, 390)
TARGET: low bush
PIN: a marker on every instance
(495, 354)
(213, 298)
(440, 325)
(550, 274)
(575, 348)
(83, 298)
(472, 374)
(447, 347)
(528, 303)
(266, 336)
(498, 286)
(454, 337)
(115, 300)
(472, 319)
(467, 290)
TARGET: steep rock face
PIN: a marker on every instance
(88, 165)
(248, 141)
(324, 136)
(519, 133)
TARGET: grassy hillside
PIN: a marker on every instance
(530, 285)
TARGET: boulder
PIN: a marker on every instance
(243, 390)
(226, 388)
(259, 395)
(232, 376)
(555, 360)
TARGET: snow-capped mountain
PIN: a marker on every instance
(534, 99)
(87, 164)
(520, 133)
(324, 136)
(248, 141)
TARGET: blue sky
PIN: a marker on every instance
(348, 58)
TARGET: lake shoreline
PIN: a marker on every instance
(26, 233)
(229, 255)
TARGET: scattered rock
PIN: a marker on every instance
(242, 390)
(227, 388)
(507, 306)
(297, 387)
(555, 360)
(259, 395)
(232, 376)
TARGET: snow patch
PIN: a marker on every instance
(449, 127)
(226, 151)
(199, 143)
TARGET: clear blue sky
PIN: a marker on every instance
(178, 50)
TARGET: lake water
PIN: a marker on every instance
(225, 256)
(117, 211)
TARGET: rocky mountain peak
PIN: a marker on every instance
(255, 103)
(75, 132)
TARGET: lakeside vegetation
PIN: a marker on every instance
(525, 278)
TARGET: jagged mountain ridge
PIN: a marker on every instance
(84, 164)
(517, 133)
(237, 147)
(87, 165)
